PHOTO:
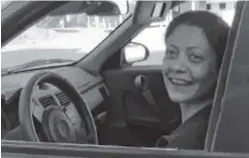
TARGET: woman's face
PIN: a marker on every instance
(189, 65)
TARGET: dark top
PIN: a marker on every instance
(191, 134)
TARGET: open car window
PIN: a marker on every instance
(56, 32)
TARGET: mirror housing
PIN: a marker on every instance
(135, 52)
(94, 8)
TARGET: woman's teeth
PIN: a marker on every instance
(179, 81)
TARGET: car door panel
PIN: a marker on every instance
(129, 107)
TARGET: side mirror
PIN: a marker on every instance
(135, 52)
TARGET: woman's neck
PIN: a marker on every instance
(189, 109)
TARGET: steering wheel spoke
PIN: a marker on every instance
(38, 110)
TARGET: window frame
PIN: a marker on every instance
(55, 150)
(230, 131)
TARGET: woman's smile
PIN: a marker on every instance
(179, 82)
(179, 87)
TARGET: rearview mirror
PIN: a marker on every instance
(94, 8)
(135, 52)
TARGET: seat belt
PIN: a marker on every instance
(142, 83)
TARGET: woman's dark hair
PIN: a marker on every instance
(214, 27)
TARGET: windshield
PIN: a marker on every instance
(59, 38)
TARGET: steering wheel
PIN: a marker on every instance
(54, 123)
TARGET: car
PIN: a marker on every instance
(92, 101)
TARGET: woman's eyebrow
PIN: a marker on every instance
(192, 47)
(175, 47)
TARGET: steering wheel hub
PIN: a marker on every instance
(57, 125)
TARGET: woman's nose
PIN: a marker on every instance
(179, 65)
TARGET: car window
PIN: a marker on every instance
(153, 36)
(65, 38)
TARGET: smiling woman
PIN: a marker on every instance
(66, 36)
(195, 42)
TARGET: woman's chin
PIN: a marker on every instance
(179, 98)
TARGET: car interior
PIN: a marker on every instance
(99, 99)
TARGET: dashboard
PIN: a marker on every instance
(92, 90)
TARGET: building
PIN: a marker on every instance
(225, 9)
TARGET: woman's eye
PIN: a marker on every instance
(170, 54)
(196, 58)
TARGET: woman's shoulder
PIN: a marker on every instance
(191, 134)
